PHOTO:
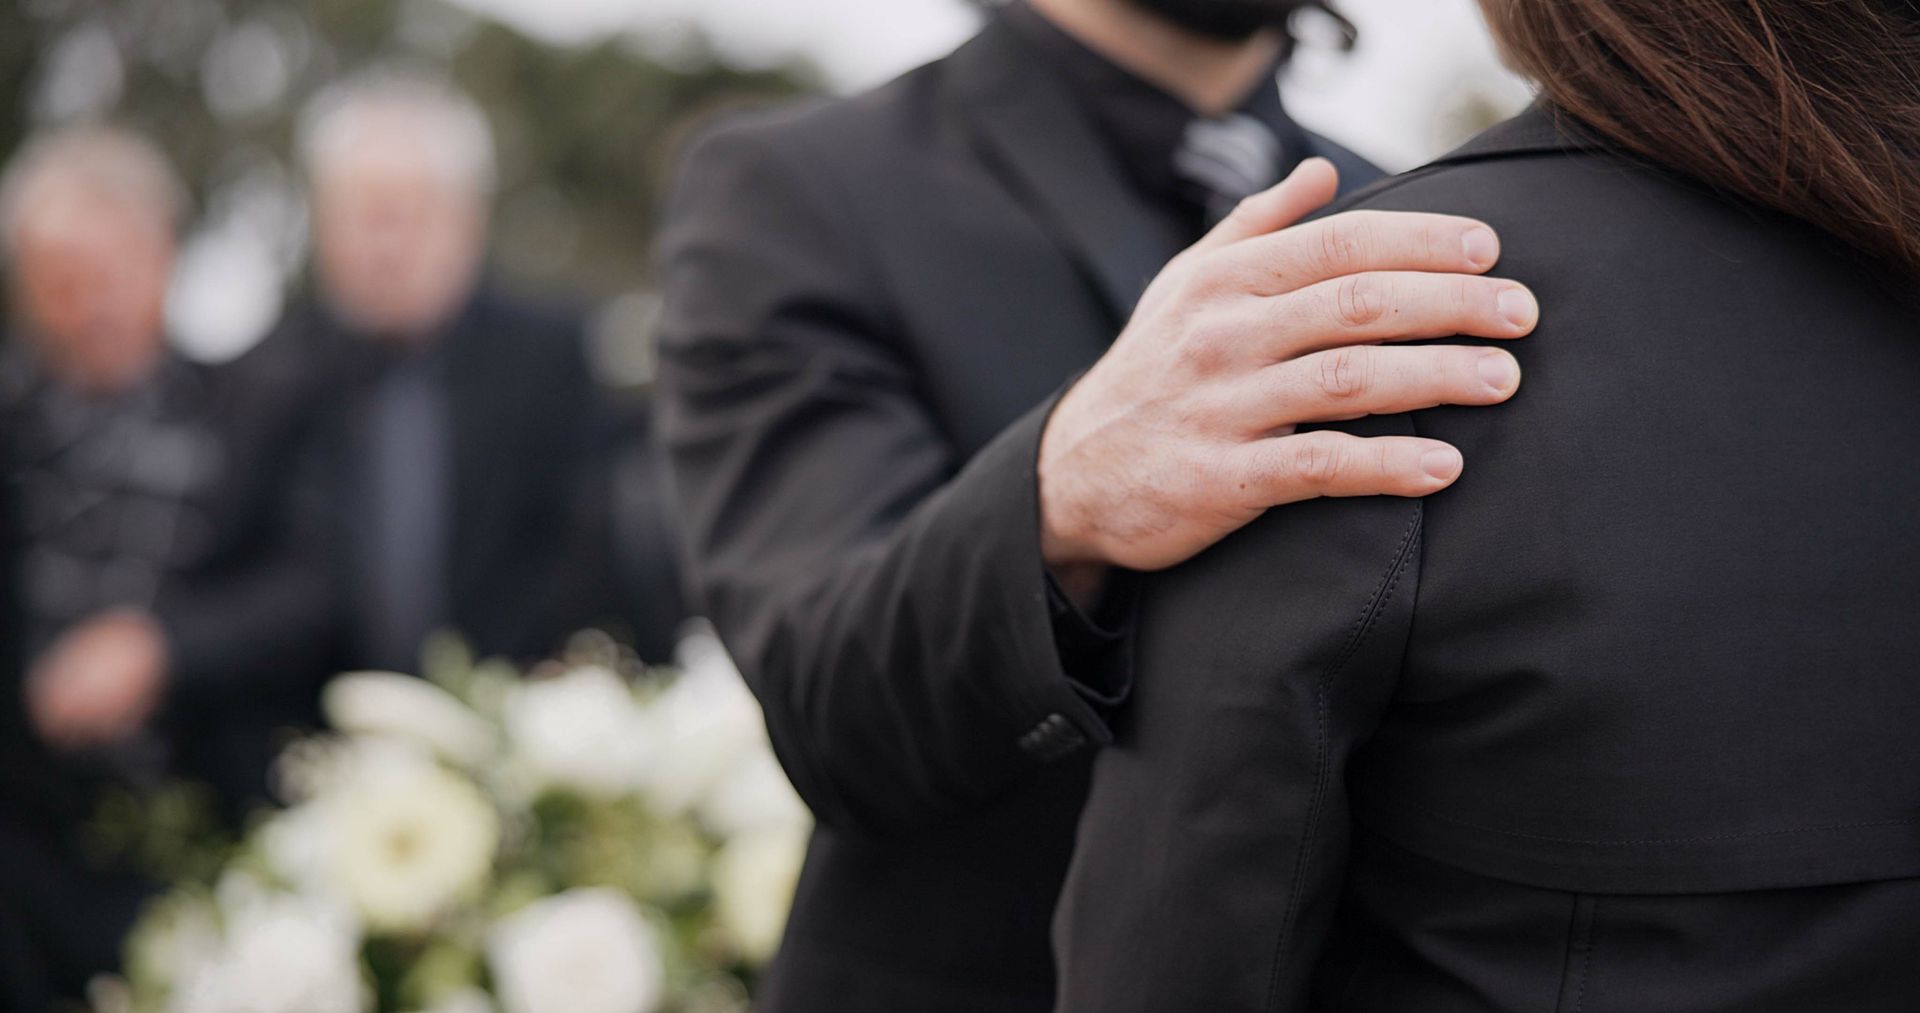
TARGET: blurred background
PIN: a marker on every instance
(589, 99)
(214, 487)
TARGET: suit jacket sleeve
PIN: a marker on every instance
(1213, 845)
(577, 526)
(885, 598)
(260, 625)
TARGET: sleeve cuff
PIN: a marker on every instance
(1094, 649)
(1090, 673)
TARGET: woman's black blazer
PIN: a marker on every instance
(1628, 721)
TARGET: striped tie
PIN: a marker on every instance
(1227, 159)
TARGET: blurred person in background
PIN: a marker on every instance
(166, 604)
(915, 546)
(467, 442)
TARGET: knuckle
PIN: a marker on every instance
(1210, 278)
(1343, 373)
(1468, 295)
(1359, 301)
(1318, 462)
(1385, 461)
(1206, 344)
(1432, 241)
(1341, 243)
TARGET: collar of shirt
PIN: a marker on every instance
(1144, 124)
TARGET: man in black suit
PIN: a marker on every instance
(168, 609)
(467, 442)
(910, 542)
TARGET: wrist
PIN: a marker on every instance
(1065, 542)
(1065, 537)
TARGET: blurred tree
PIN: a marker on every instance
(586, 134)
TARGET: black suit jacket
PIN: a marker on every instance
(1626, 721)
(870, 304)
(243, 604)
(242, 597)
(529, 558)
(248, 625)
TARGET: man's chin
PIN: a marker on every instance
(1226, 20)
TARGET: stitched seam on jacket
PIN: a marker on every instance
(1573, 963)
(1586, 958)
(1364, 625)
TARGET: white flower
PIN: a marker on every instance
(175, 941)
(388, 704)
(580, 731)
(467, 1000)
(708, 725)
(239, 893)
(408, 842)
(583, 951)
(753, 881)
(297, 844)
(755, 796)
(283, 955)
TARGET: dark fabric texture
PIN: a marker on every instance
(1626, 719)
(217, 530)
(405, 452)
(248, 628)
(230, 571)
(1145, 127)
(870, 306)
(528, 556)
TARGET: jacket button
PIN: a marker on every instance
(1053, 738)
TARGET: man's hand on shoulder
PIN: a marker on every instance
(1186, 430)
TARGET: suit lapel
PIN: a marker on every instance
(1034, 138)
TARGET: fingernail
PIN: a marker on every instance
(1441, 462)
(1498, 371)
(1482, 246)
(1518, 307)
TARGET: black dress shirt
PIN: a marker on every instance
(1143, 125)
(405, 504)
(467, 482)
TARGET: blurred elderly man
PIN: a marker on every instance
(161, 602)
(467, 448)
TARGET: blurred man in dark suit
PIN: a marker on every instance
(168, 607)
(468, 444)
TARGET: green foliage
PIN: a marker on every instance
(170, 833)
(587, 134)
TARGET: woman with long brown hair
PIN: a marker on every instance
(1629, 719)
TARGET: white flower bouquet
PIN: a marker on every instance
(589, 838)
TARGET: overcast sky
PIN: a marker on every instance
(1418, 61)
(857, 42)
